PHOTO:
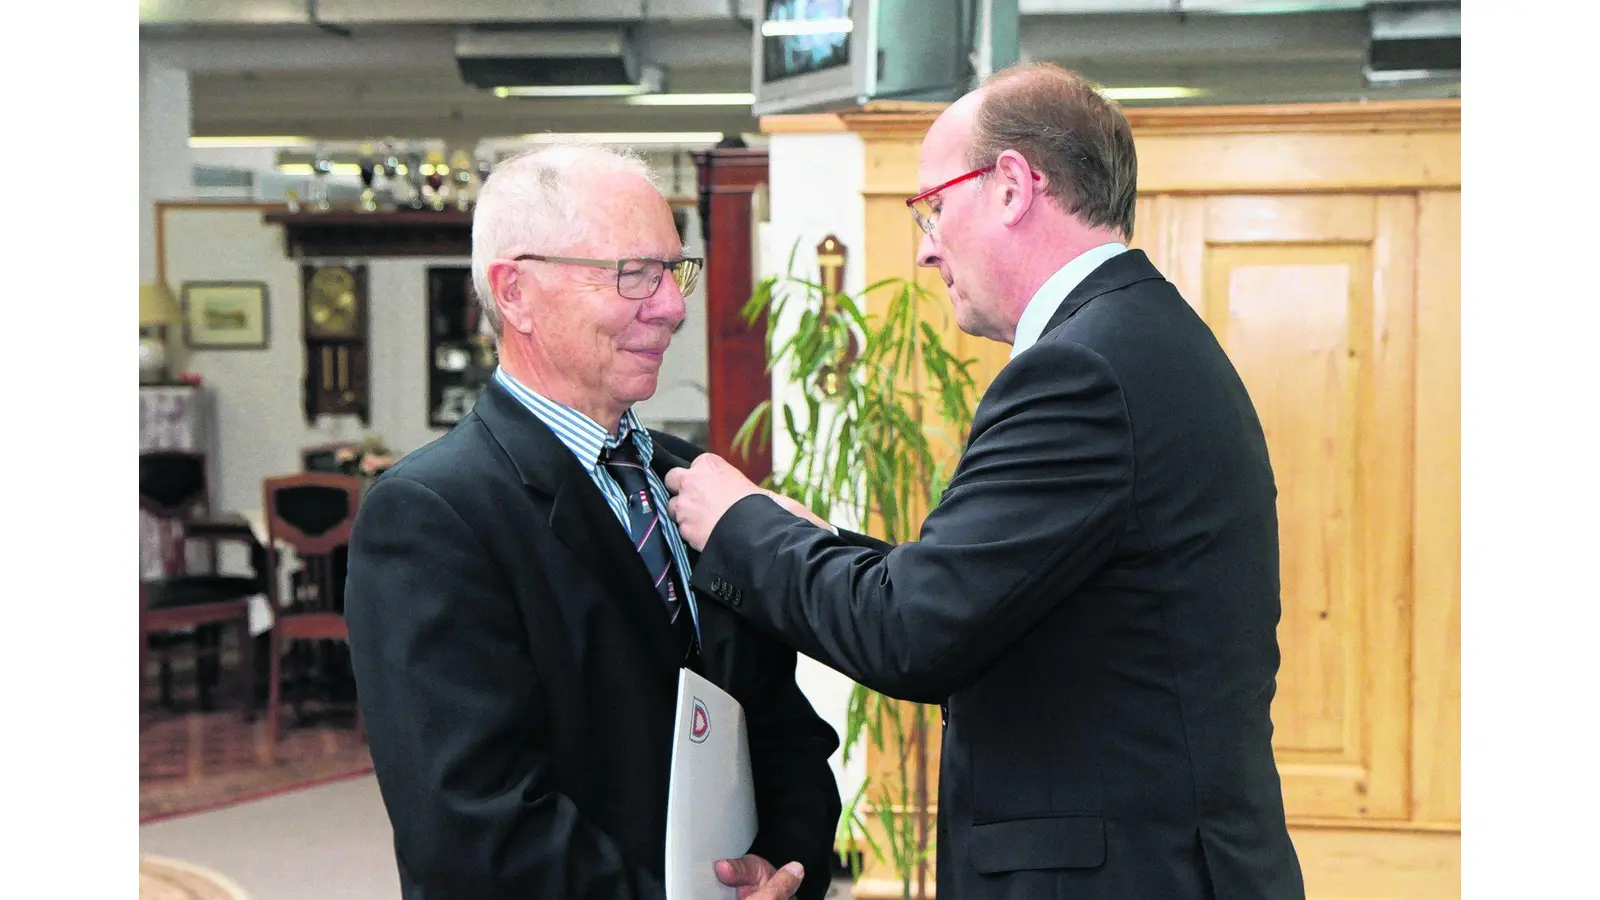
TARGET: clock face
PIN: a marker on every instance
(331, 303)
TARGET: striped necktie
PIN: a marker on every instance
(644, 526)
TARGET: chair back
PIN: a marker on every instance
(313, 513)
(172, 483)
(172, 486)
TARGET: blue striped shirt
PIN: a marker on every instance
(588, 441)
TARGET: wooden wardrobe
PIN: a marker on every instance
(1322, 244)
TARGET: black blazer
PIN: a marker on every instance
(1094, 600)
(518, 679)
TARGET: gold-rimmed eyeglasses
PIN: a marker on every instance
(637, 279)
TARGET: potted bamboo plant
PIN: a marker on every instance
(872, 438)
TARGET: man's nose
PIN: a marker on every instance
(927, 255)
(666, 306)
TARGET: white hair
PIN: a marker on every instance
(530, 203)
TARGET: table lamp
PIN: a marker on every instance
(157, 311)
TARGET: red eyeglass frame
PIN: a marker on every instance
(911, 204)
(951, 183)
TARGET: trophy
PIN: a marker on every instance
(321, 169)
(415, 198)
(369, 172)
(461, 174)
(390, 170)
(434, 172)
(485, 165)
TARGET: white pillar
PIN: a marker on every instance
(165, 167)
(814, 189)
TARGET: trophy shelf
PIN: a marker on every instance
(352, 233)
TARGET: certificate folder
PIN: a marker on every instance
(711, 802)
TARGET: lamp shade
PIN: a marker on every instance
(157, 306)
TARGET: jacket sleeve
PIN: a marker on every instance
(797, 797)
(1034, 509)
(455, 717)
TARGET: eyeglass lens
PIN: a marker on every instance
(639, 279)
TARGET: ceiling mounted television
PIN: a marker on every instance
(817, 55)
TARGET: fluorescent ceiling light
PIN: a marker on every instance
(627, 137)
(1380, 77)
(692, 100)
(271, 142)
(306, 169)
(570, 90)
(1267, 7)
(790, 27)
(1149, 93)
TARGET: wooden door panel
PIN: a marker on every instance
(1284, 313)
(1313, 299)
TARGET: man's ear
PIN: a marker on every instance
(1018, 181)
(507, 283)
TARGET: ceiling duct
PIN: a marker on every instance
(1414, 42)
(548, 56)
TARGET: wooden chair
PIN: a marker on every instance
(312, 513)
(180, 604)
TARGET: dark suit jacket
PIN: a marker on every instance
(1095, 601)
(518, 679)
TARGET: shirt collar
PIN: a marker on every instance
(1036, 315)
(582, 435)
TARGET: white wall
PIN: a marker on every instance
(815, 183)
(164, 163)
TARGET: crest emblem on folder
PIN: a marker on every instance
(699, 723)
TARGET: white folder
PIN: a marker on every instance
(711, 801)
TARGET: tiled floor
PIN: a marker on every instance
(190, 760)
(332, 841)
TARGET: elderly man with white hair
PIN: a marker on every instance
(520, 605)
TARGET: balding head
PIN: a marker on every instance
(1077, 139)
(1022, 175)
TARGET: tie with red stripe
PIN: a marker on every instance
(644, 526)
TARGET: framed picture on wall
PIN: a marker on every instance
(461, 353)
(225, 315)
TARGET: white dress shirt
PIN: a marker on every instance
(1054, 291)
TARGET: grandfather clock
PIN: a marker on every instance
(335, 317)
(736, 351)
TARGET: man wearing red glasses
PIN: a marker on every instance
(1094, 601)
(519, 607)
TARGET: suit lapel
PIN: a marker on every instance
(579, 515)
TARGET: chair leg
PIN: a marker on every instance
(207, 663)
(247, 668)
(144, 661)
(274, 683)
(166, 679)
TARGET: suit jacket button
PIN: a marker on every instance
(738, 597)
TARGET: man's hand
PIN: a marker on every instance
(704, 493)
(757, 880)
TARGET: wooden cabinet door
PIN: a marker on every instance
(1313, 298)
